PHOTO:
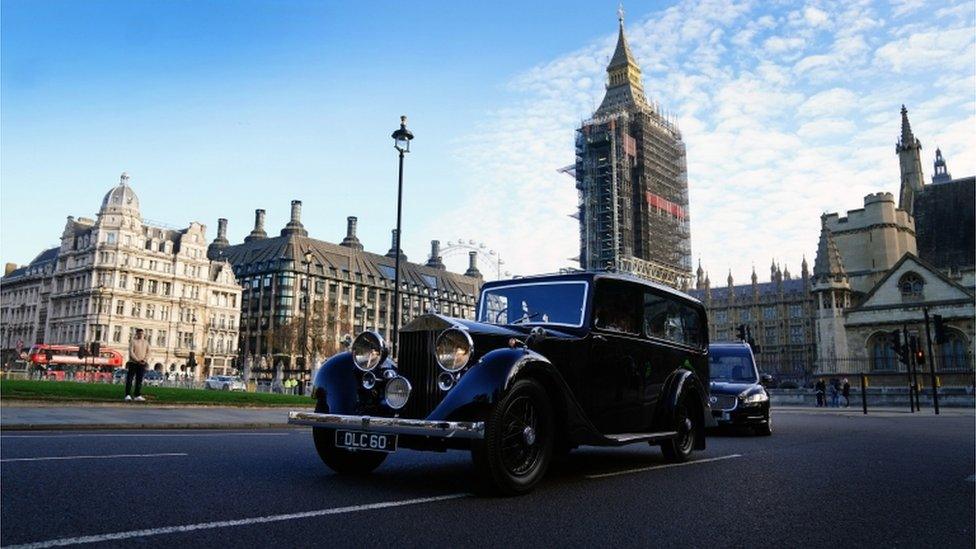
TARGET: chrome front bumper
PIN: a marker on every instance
(391, 425)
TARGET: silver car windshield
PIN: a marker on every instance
(555, 303)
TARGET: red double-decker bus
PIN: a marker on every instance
(55, 358)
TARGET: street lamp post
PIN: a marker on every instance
(401, 142)
(308, 302)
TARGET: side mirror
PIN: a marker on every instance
(535, 336)
(765, 379)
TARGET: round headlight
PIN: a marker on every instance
(369, 380)
(453, 349)
(368, 350)
(445, 381)
(397, 392)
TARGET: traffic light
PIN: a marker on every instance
(741, 332)
(940, 331)
(920, 357)
(96, 348)
(82, 351)
(192, 360)
(894, 341)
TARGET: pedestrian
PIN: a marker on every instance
(846, 391)
(136, 366)
(821, 390)
(834, 398)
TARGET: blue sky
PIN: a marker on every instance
(218, 108)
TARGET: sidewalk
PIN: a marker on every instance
(886, 411)
(23, 416)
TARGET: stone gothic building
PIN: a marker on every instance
(779, 314)
(631, 176)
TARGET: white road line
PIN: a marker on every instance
(152, 435)
(60, 542)
(665, 466)
(109, 456)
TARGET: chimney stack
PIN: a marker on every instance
(9, 268)
(435, 255)
(473, 265)
(295, 226)
(393, 247)
(351, 241)
(257, 233)
(219, 243)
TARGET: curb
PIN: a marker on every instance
(140, 426)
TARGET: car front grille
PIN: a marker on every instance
(416, 363)
(722, 402)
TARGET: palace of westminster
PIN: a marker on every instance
(273, 299)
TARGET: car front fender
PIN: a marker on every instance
(336, 385)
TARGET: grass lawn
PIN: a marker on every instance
(65, 391)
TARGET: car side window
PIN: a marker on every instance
(617, 307)
(667, 318)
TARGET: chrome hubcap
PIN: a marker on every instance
(529, 435)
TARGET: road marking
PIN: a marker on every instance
(152, 435)
(110, 456)
(665, 466)
(60, 542)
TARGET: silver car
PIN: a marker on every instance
(225, 383)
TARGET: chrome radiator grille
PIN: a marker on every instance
(416, 363)
(722, 402)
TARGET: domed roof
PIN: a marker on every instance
(121, 198)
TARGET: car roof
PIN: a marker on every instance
(735, 344)
(591, 276)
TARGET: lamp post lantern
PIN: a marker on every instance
(401, 142)
(308, 302)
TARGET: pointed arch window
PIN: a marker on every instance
(911, 286)
(881, 353)
(954, 353)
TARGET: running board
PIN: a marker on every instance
(630, 438)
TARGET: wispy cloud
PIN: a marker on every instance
(786, 113)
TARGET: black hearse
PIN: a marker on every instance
(552, 362)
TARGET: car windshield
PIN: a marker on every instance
(731, 365)
(559, 303)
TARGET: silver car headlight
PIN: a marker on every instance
(397, 392)
(453, 349)
(368, 350)
(754, 398)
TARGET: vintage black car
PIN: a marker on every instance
(553, 362)
(738, 395)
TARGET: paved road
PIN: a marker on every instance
(825, 480)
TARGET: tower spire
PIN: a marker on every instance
(909, 150)
(941, 174)
(625, 86)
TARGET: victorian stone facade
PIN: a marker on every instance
(116, 273)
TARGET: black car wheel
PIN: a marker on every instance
(344, 461)
(679, 448)
(517, 448)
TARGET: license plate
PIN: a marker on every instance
(359, 440)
